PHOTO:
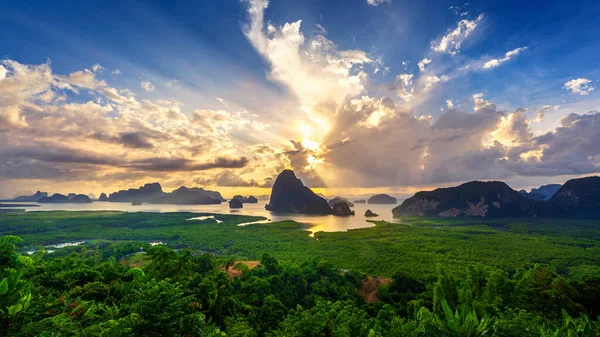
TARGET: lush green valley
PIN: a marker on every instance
(570, 247)
(449, 277)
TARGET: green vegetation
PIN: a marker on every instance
(569, 247)
(450, 277)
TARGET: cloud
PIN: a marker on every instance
(372, 141)
(3, 72)
(97, 67)
(351, 134)
(405, 86)
(378, 2)
(424, 62)
(61, 154)
(137, 140)
(184, 164)
(319, 29)
(116, 72)
(147, 86)
(460, 11)
(222, 101)
(84, 79)
(400, 148)
(230, 179)
(172, 82)
(114, 135)
(64, 155)
(452, 41)
(313, 69)
(570, 149)
(539, 115)
(493, 63)
(579, 86)
(432, 81)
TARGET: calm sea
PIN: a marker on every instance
(326, 223)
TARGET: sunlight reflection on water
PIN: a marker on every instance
(315, 223)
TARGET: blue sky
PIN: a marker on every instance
(202, 43)
(203, 55)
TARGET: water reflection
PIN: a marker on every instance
(200, 218)
(315, 223)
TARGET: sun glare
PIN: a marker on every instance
(313, 161)
(310, 144)
(304, 130)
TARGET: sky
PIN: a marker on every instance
(356, 96)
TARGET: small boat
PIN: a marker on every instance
(136, 203)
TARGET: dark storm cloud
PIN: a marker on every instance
(30, 169)
(47, 162)
(134, 140)
(60, 155)
(182, 164)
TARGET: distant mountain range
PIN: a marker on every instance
(544, 192)
(153, 194)
(494, 199)
(577, 198)
(57, 198)
(72, 198)
(31, 198)
(149, 193)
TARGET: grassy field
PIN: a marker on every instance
(417, 246)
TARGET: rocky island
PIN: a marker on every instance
(58, 198)
(30, 198)
(577, 198)
(382, 199)
(246, 200)
(153, 194)
(236, 203)
(289, 195)
(336, 200)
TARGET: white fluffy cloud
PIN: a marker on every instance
(47, 132)
(348, 137)
(373, 141)
(493, 63)
(424, 62)
(3, 72)
(97, 67)
(147, 86)
(432, 81)
(319, 74)
(378, 2)
(405, 86)
(579, 86)
(452, 41)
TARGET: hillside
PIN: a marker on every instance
(476, 198)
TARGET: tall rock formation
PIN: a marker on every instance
(289, 195)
